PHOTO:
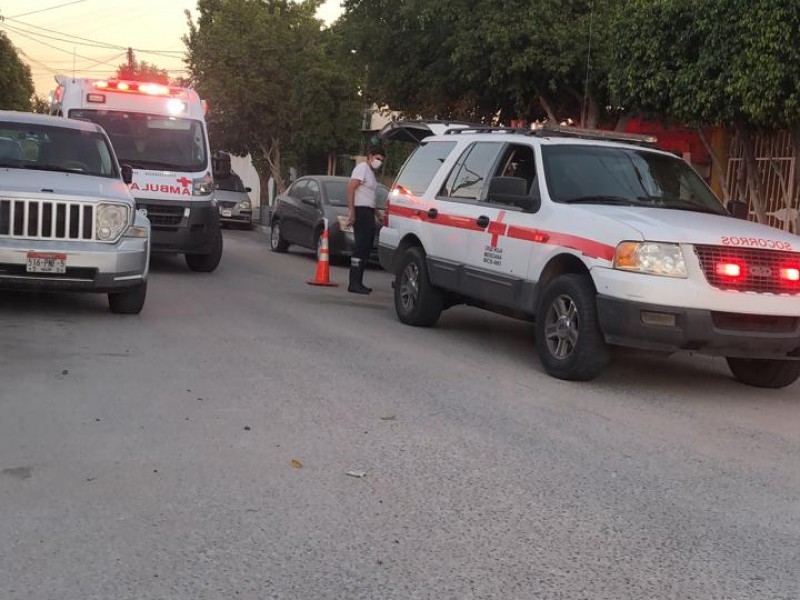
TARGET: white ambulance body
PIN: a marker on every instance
(159, 131)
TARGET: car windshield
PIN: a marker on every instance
(625, 176)
(230, 184)
(148, 141)
(51, 148)
(336, 191)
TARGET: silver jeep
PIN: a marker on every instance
(67, 219)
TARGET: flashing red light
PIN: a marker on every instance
(729, 270)
(154, 89)
(791, 274)
(122, 86)
(101, 85)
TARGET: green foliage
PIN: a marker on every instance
(16, 84)
(142, 71)
(474, 59)
(274, 81)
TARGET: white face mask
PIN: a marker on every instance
(376, 163)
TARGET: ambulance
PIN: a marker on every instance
(159, 132)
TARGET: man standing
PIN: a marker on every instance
(361, 205)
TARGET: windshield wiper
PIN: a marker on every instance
(602, 199)
(55, 168)
(676, 203)
(152, 164)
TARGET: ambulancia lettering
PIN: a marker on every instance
(162, 188)
(755, 243)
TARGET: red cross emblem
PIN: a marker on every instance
(497, 228)
(184, 182)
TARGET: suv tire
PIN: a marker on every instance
(764, 373)
(416, 301)
(276, 241)
(129, 302)
(205, 263)
(568, 336)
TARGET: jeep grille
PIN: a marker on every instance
(46, 220)
(760, 269)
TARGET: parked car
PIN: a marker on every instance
(598, 237)
(67, 218)
(300, 211)
(235, 207)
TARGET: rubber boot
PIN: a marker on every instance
(356, 278)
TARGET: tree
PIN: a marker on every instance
(472, 59)
(690, 61)
(16, 83)
(134, 70)
(273, 80)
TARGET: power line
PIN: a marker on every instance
(41, 10)
(45, 43)
(89, 42)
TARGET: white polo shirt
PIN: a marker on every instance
(365, 193)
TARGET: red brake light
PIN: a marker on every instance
(729, 270)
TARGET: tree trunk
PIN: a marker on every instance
(753, 176)
(545, 104)
(717, 164)
(622, 122)
(592, 113)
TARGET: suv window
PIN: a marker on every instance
(298, 189)
(466, 180)
(422, 166)
(518, 161)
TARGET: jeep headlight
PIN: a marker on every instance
(111, 221)
(654, 258)
(244, 204)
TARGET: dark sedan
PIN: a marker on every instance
(298, 217)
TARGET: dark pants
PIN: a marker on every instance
(364, 234)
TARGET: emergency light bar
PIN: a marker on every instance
(137, 87)
(596, 134)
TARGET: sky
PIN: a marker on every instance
(107, 27)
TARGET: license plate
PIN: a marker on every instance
(142, 211)
(227, 213)
(46, 262)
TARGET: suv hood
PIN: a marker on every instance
(27, 183)
(685, 227)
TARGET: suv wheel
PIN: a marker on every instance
(764, 373)
(416, 301)
(276, 241)
(129, 302)
(568, 337)
(205, 263)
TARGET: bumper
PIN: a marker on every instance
(670, 329)
(235, 217)
(342, 243)
(91, 266)
(182, 226)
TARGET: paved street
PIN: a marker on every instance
(151, 457)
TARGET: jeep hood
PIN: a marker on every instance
(686, 227)
(29, 183)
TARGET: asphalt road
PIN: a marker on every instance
(151, 457)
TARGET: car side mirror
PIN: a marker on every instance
(513, 191)
(738, 209)
(127, 173)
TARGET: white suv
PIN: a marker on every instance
(601, 242)
(67, 219)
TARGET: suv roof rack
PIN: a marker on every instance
(561, 131)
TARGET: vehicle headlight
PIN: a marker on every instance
(111, 221)
(654, 258)
(203, 186)
(245, 205)
(343, 226)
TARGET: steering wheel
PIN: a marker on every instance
(75, 165)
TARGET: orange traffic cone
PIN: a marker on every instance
(323, 277)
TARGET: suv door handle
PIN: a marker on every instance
(433, 213)
(483, 221)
